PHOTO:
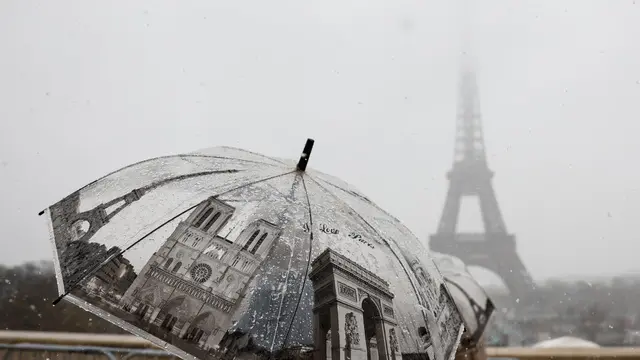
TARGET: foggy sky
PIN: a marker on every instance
(88, 86)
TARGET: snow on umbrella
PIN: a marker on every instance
(472, 301)
(224, 251)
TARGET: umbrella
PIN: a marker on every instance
(566, 342)
(473, 302)
(224, 252)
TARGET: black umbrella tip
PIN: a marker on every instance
(306, 153)
(40, 213)
(56, 301)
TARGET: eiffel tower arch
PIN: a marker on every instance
(493, 249)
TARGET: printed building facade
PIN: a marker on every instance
(191, 286)
(353, 314)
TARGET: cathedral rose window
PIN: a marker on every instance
(201, 273)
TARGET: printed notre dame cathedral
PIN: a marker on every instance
(188, 290)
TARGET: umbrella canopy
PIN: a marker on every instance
(224, 251)
(566, 342)
(473, 302)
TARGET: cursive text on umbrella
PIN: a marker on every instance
(333, 231)
(359, 237)
(327, 230)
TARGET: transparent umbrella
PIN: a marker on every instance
(472, 301)
(224, 252)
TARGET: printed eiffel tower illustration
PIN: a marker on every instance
(495, 248)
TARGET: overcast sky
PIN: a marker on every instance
(89, 86)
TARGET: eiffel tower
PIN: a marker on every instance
(495, 248)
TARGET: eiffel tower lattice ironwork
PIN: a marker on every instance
(495, 249)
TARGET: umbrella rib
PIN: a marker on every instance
(368, 201)
(226, 158)
(344, 204)
(306, 273)
(99, 266)
(164, 157)
(256, 182)
(254, 153)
